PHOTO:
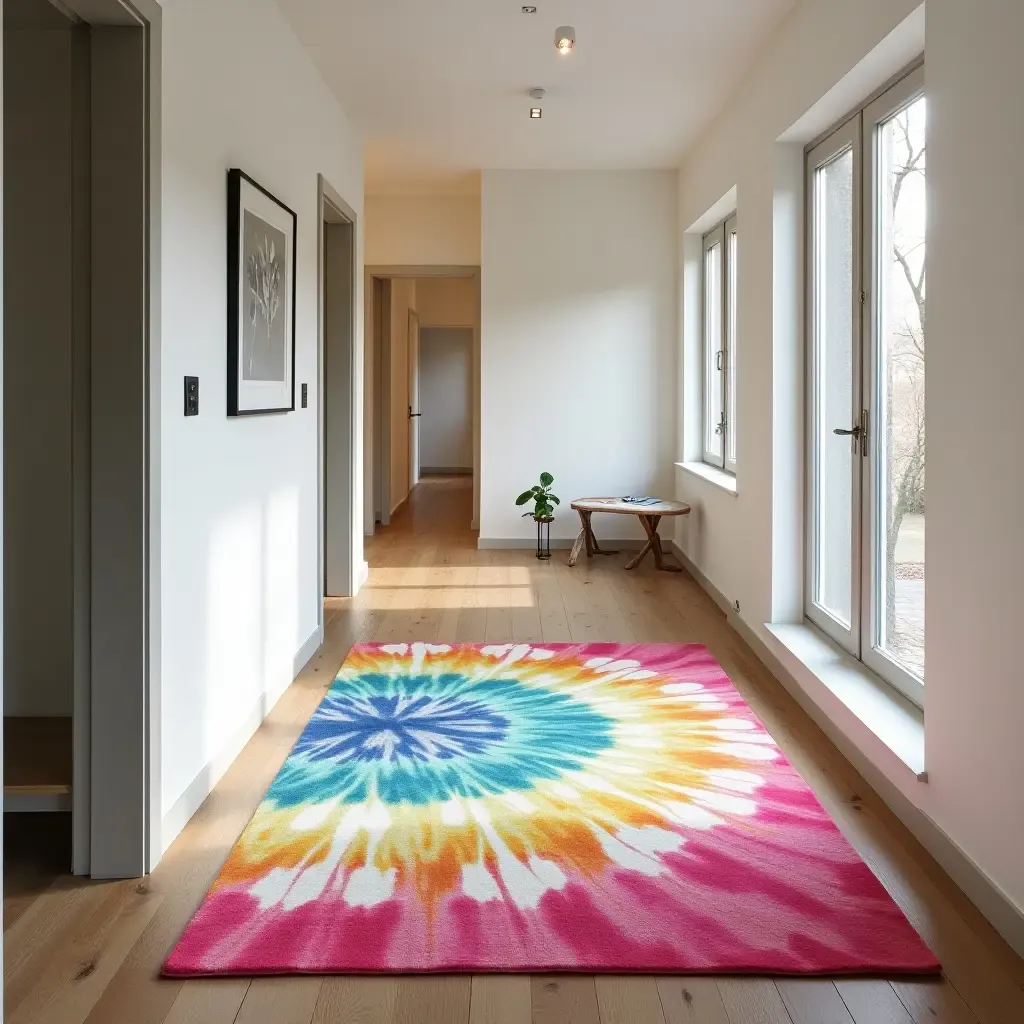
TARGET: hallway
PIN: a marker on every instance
(78, 951)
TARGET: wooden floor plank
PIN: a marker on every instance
(628, 999)
(356, 1001)
(753, 1001)
(871, 1001)
(691, 1001)
(74, 979)
(208, 1001)
(564, 999)
(280, 1001)
(439, 999)
(813, 1001)
(500, 999)
(933, 1001)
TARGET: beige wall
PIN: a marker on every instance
(446, 301)
(446, 398)
(412, 231)
(403, 300)
(38, 312)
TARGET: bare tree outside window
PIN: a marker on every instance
(903, 369)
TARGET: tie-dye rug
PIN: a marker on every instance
(595, 807)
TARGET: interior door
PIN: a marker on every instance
(414, 399)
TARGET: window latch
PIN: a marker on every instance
(720, 359)
(720, 425)
(859, 433)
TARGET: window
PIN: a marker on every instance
(720, 254)
(866, 428)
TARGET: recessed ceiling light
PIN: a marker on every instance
(529, 10)
(536, 113)
(565, 39)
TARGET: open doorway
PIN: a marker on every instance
(342, 557)
(81, 316)
(404, 308)
(446, 401)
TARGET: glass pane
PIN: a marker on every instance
(712, 350)
(730, 362)
(901, 444)
(834, 351)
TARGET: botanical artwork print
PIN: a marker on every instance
(534, 807)
(264, 328)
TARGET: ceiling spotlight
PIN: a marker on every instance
(536, 113)
(529, 10)
(565, 39)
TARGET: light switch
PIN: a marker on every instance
(191, 396)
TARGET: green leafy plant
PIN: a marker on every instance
(544, 501)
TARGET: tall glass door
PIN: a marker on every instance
(834, 371)
(866, 328)
(894, 339)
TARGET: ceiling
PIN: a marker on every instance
(438, 87)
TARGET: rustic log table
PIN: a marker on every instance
(650, 515)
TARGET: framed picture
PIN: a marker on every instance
(261, 300)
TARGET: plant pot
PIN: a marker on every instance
(544, 536)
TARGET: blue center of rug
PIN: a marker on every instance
(391, 727)
(425, 738)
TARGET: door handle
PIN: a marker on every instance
(413, 415)
(859, 433)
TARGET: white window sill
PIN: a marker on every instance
(892, 718)
(713, 475)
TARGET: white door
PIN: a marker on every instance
(414, 399)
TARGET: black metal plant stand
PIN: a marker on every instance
(544, 537)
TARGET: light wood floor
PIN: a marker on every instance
(77, 951)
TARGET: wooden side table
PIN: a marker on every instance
(650, 515)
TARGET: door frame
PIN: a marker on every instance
(116, 789)
(331, 208)
(388, 272)
(413, 360)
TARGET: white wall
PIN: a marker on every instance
(578, 358)
(413, 231)
(975, 597)
(446, 398)
(38, 399)
(239, 519)
(975, 588)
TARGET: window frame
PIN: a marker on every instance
(859, 132)
(845, 138)
(897, 97)
(720, 362)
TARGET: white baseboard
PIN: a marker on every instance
(994, 904)
(362, 575)
(202, 785)
(557, 543)
(307, 650)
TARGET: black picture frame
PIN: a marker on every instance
(240, 403)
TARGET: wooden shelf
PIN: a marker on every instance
(37, 757)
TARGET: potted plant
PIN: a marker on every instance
(543, 513)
